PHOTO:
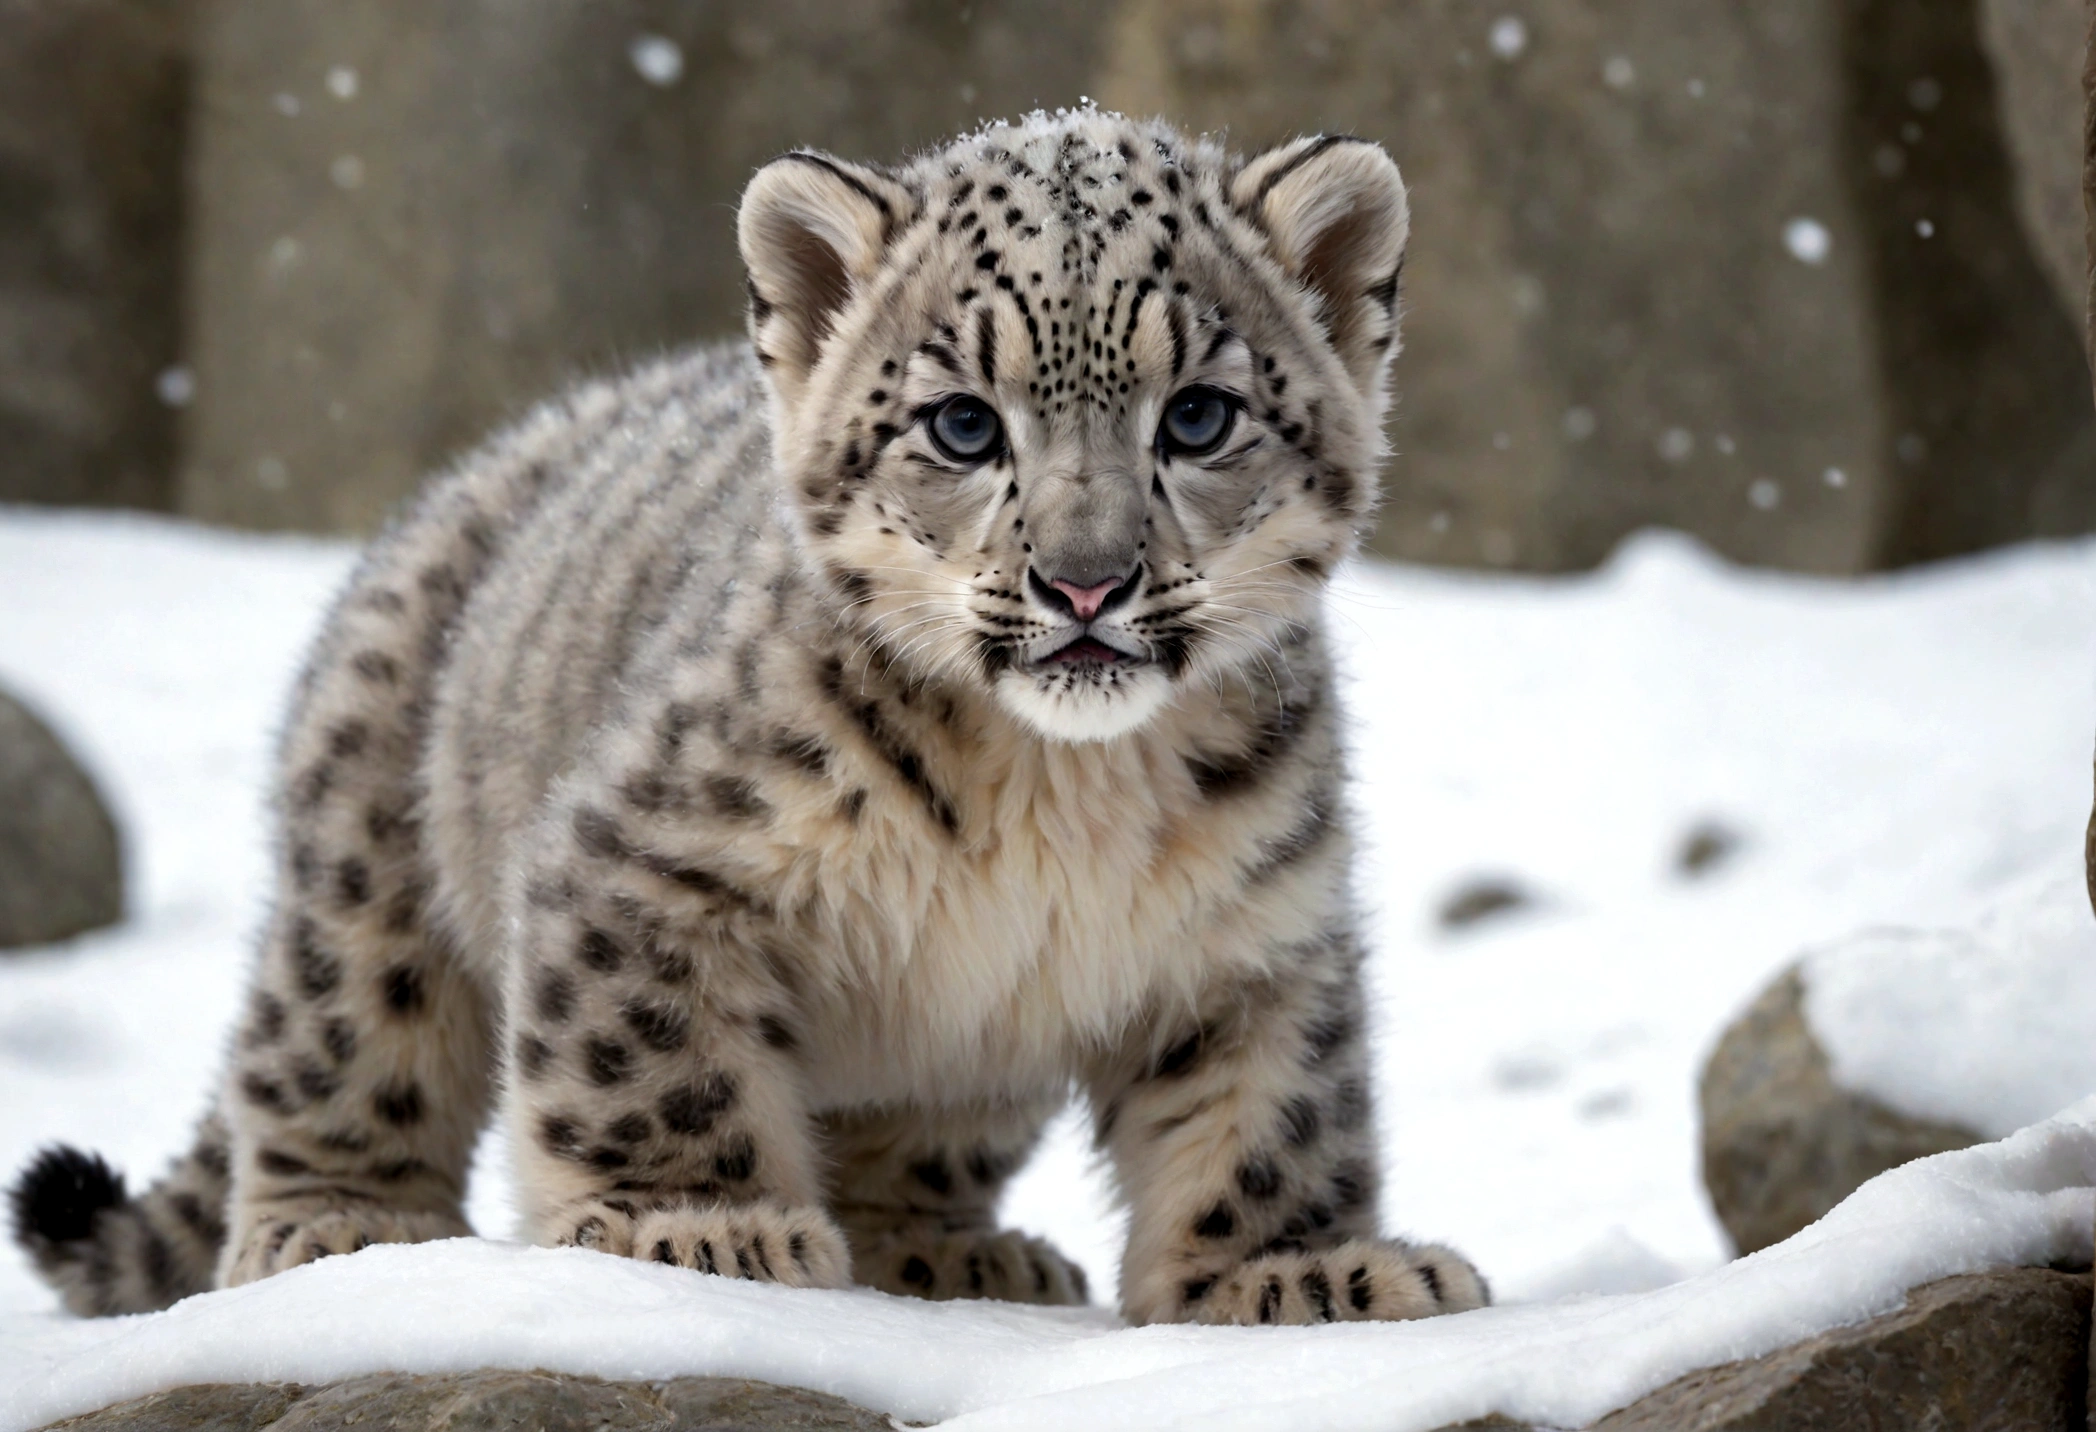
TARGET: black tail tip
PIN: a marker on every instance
(58, 1197)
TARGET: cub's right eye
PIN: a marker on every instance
(966, 429)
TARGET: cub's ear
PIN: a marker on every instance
(1334, 209)
(811, 227)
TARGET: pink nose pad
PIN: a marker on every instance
(1086, 600)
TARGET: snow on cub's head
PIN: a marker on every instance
(1078, 409)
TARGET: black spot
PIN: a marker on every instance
(1181, 1056)
(988, 1167)
(314, 1082)
(159, 1260)
(662, 1251)
(558, 1135)
(934, 1175)
(694, 1109)
(607, 1060)
(1217, 1222)
(280, 1163)
(1259, 1177)
(404, 993)
(736, 797)
(632, 1128)
(61, 1193)
(1352, 1187)
(607, 1159)
(1302, 1121)
(598, 834)
(533, 1054)
(1193, 1290)
(1327, 1035)
(353, 882)
(348, 739)
(339, 1037)
(198, 1219)
(775, 1032)
(399, 1103)
(264, 1093)
(554, 995)
(317, 971)
(805, 753)
(663, 1028)
(600, 952)
(1270, 1300)
(916, 1272)
(376, 666)
(1317, 1288)
(738, 1160)
(266, 1016)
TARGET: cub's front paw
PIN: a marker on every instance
(1362, 1279)
(767, 1242)
(285, 1239)
(1004, 1265)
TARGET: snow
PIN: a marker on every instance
(464, 1304)
(1900, 751)
(1987, 1028)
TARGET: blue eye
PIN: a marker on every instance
(966, 430)
(1196, 421)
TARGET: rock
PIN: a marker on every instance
(414, 219)
(485, 1402)
(1481, 898)
(91, 154)
(2001, 1350)
(1665, 268)
(61, 868)
(2037, 49)
(1708, 845)
(1781, 1143)
(212, 1407)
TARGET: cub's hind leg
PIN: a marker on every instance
(361, 1072)
(917, 1190)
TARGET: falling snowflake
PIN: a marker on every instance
(658, 58)
(1808, 241)
(1509, 37)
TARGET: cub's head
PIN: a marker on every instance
(1078, 410)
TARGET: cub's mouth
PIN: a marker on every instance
(1089, 651)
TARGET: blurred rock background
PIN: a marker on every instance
(1803, 279)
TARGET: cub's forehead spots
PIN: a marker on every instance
(1075, 232)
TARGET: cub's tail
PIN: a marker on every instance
(106, 1252)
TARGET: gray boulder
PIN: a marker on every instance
(1670, 267)
(412, 219)
(61, 868)
(92, 98)
(2037, 49)
(2005, 1351)
(1782, 1144)
(485, 1402)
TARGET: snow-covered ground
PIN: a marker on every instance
(1899, 751)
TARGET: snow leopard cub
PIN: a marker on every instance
(778, 776)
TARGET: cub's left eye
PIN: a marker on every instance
(1196, 421)
(966, 429)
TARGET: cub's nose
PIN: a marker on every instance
(1084, 603)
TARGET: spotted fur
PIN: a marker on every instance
(778, 813)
